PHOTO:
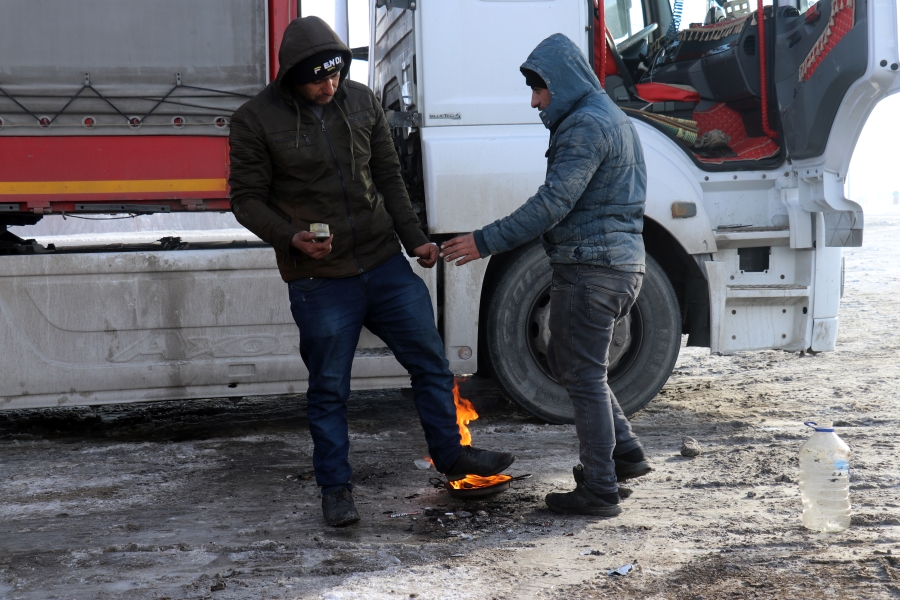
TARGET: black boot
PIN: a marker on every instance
(578, 473)
(338, 508)
(583, 501)
(473, 461)
(631, 464)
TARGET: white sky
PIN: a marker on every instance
(874, 170)
(359, 28)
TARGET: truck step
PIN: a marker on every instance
(765, 295)
(751, 237)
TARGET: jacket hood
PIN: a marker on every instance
(567, 73)
(305, 37)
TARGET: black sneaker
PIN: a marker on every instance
(578, 473)
(473, 461)
(582, 501)
(338, 508)
(631, 465)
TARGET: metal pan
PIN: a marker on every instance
(477, 492)
(466, 493)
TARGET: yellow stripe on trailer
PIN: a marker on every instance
(126, 186)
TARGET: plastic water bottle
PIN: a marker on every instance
(825, 480)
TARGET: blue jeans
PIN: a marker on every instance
(585, 302)
(393, 303)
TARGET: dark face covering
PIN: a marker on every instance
(533, 80)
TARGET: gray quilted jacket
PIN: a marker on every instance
(590, 208)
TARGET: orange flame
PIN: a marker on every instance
(465, 414)
(476, 481)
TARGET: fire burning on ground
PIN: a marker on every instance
(465, 414)
(471, 482)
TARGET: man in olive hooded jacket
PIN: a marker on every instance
(314, 147)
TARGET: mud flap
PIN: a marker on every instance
(824, 334)
(843, 229)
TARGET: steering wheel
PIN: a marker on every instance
(627, 43)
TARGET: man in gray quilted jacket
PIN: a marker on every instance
(589, 214)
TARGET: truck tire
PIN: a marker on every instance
(644, 350)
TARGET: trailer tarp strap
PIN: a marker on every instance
(88, 86)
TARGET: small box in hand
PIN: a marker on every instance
(320, 231)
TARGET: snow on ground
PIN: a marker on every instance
(214, 498)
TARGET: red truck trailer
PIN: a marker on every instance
(123, 106)
(79, 133)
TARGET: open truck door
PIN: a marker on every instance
(832, 63)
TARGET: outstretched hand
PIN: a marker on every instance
(462, 248)
(304, 241)
(428, 255)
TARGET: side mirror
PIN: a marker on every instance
(361, 53)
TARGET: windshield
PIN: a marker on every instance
(695, 12)
(623, 18)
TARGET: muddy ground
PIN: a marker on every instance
(213, 499)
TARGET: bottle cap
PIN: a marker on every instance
(826, 426)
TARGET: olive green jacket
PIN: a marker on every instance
(288, 169)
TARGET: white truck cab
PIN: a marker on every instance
(743, 241)
(743, 235)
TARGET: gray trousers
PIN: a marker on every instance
(585, 302)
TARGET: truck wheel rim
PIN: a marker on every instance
(622, 349)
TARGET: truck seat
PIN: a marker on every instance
(666, 92)
(621, 86)
(674, 98)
